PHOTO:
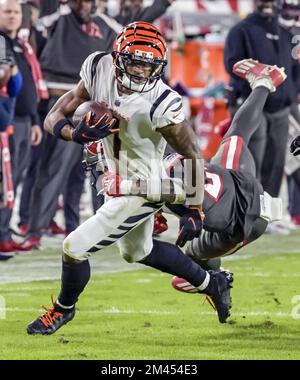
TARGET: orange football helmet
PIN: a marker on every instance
(139, 43)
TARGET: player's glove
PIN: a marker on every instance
(111, 183)
(190, 225)
(295, 146)
(86, 132)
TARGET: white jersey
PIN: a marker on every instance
(139, 138)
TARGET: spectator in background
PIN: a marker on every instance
(261, 37)
(72, 37)
(30, 34)
(26, 129)
(31, 14)
(67, 46)
(10, 86)
(289, 17)
(11, 82)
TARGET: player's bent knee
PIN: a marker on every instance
(133, 256)
(71, 254)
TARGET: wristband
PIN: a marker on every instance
(59, 126)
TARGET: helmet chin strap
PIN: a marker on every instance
(126, 81)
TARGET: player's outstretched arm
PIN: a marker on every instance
(65, 108)
(183, 140)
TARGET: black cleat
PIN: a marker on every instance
(50, 322)
(219, 293)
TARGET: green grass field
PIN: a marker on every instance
(137, 315)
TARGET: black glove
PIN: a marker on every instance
(86, 132)
(295, 146)
(190, 226)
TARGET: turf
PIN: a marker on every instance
(137, 315)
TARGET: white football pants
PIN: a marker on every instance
(127, 220)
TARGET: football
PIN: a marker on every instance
(99, 110)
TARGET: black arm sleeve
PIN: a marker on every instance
(35, 120)
(47, 7)
(148, 14)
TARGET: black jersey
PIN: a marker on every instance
(231, 202)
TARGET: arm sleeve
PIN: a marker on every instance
(48, 7)
(167, 110)
(35, 120)
(147, 14)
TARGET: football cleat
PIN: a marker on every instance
(7, 250)
(182, 285)
(23, 229)
(30, 244)
(50, 322)
(260, 74)
(219, 291)
(55, 229)
(219, 295)
(296, 220)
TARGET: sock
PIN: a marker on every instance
(264, 82)
(170, 259)
(73, 281)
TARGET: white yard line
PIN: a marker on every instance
(115, 310)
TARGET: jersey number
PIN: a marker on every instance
(213, 186)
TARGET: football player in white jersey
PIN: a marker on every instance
(129, 81)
